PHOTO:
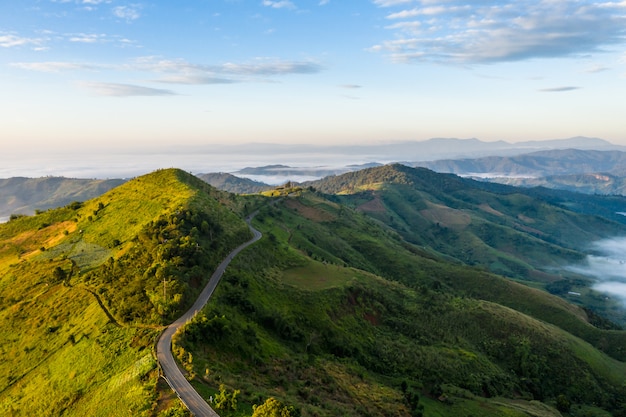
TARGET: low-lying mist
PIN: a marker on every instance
(608, 266)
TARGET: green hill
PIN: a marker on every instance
(528, 235)
(353, 303)
(82, 292)
(334, 313)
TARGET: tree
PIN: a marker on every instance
(226, 401)
(563, 404)
(273, 408)
(58, 274)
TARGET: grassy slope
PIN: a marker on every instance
(70, 353)
(294, 320)
(523, 234)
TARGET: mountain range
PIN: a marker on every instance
(391, 290)
(19, 195)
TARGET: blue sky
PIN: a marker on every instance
(114, 74)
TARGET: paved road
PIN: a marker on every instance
(189, 396)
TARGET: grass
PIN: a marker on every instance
(317, 276)
(65, 355)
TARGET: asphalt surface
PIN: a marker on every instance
(172, 373)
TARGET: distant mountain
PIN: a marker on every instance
(289, 172)
(412, 153)
(414, 150)
(587, 171)
(605, 184)
(20, 195)
(535, 164)
(444, 148)
(233, 184)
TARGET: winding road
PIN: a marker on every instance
(172, 373)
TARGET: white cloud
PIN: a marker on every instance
(11, 41)
(558, 89)
(186, 71)
(195, 80)
(389, 3)
(271, 67)
(412, 26)
(128, 13)
(52, 66)
(281, 4)
(85, 2)
(595, 69)
(87, 38)
(459, 32)
(124, 90)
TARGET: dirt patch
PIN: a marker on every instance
(446, 216)
(311, 213)
(488, 209)
(525, 219)
(32, 240)
(371, 318)
(528, 229)
(373, 206)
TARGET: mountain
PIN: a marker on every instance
(525, 234)
(283, 173)
(411, 150)
(340, 310)
(392, 291)
(590, 183)
(536, 164)
(20, 195)
(233, 184)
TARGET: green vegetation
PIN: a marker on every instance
(401, 292)
(523, 234)
(333, 313)
(82, 288)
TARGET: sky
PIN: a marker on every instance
(105, 76)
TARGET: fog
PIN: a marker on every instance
(127, 165)
(608, 266)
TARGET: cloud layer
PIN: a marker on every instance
(608, 266)
(478, 32)
(124, 90)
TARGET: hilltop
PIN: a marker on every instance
(85, 287)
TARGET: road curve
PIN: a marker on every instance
(173, 375)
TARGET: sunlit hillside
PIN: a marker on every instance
(82, 293)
